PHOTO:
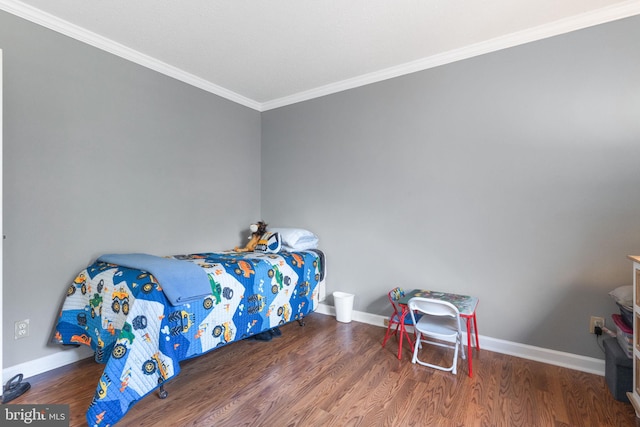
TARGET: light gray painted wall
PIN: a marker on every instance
(102, 155)
(512, 176)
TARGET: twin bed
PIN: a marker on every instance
(142, 331)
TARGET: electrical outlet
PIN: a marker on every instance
(21, 329)
(595, 321)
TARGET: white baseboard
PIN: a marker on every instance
(539, 354)
(552, 357)
(47, 363)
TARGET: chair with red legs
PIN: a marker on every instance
(399, 318)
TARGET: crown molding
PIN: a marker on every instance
(588, 19)
(76, 32)
(578, 22)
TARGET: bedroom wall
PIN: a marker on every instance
(512, 176)
(102, 155)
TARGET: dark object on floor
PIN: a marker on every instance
(14, 388)
(618, 370)
(262, 336)
(267, 335)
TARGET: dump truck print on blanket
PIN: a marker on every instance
(125, 317)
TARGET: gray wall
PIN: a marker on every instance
(512, 176)
(102, 155)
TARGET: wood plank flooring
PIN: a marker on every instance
(333, 374)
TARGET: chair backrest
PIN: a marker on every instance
(433, 307)
(394, 296)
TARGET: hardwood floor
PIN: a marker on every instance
(333, 374)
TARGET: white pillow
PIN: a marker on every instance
(296, 239)
(623, 295)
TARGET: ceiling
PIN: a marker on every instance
(267, 54)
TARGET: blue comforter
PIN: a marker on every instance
(124, 315)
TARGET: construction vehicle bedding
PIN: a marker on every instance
(125, 317)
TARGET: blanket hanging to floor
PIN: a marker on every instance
(124, 316)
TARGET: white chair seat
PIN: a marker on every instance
(442, 326)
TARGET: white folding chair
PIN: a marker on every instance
(441, 321)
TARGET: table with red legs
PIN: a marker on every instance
(466, 306)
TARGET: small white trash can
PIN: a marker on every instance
(344, 306)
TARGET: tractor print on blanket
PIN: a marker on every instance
(285, 312)
(95, 304)
(255, 303)
(120, 300)
(303, 289)
(185, 321)
(126, 334)
(224, 328)
(281, 280)
(217, 292)
(79, 282)
(103, 385)
(216, 289)
(156, 364)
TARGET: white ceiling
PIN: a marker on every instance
(266, 54)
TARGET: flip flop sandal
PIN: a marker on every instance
(14, 388)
